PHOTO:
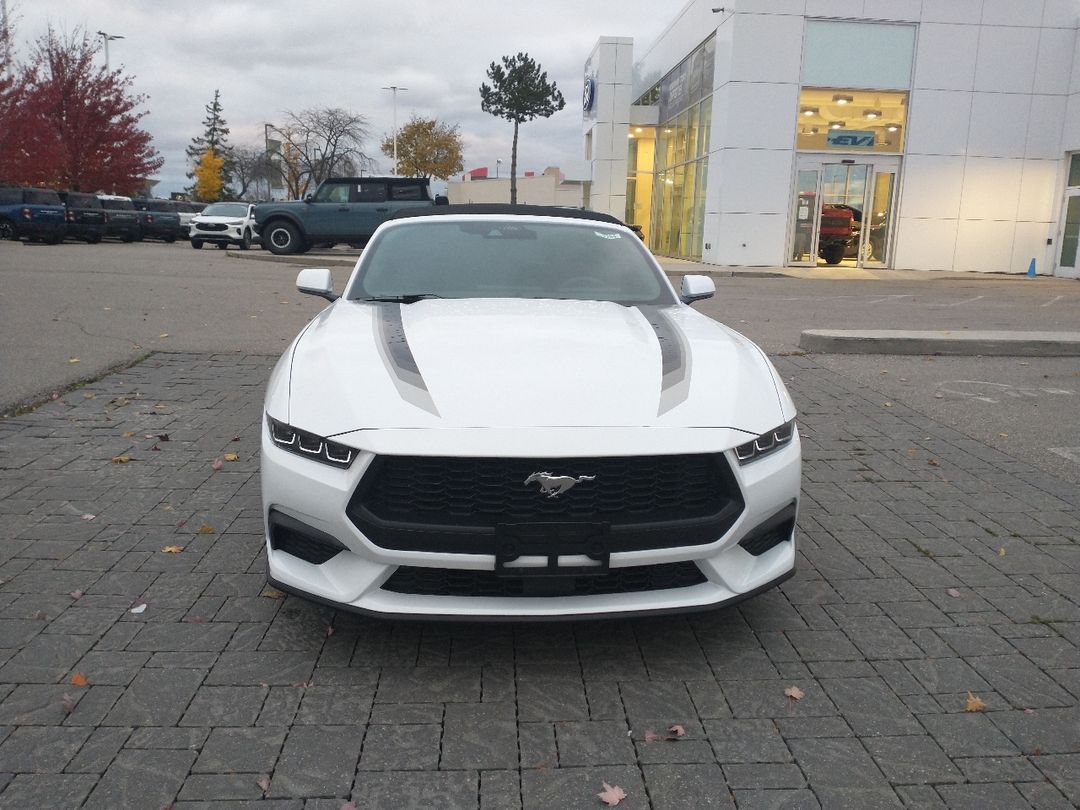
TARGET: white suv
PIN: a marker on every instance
(224, 224)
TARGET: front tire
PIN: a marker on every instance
(282, 238)
(245, 240)
(197, 244)
(222, 245)
(7, 231)
(833, 254)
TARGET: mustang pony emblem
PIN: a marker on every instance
(555, 485)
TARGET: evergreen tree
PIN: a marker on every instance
(519, 92)
(215, 136)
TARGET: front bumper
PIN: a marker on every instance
(231, 234)
(316, 496)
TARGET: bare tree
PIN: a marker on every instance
(322, 142)
(249, 172)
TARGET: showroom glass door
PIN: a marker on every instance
(1068, 266)
(843, 211)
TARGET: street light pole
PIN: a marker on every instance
(394, 89)
(105, 38)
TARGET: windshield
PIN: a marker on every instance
(226, 210)
(503, 258)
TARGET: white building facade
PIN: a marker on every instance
(910, 134)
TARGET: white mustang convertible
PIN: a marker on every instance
(510, 413)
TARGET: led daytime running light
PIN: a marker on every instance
(768, 442)
(309, 445)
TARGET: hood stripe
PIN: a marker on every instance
(398, 358)
(675, 363)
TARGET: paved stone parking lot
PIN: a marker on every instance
(936, 572)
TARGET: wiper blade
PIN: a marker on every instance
(410, 298)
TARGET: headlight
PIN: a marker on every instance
(768, 442)
(309, 445)
(235, 222)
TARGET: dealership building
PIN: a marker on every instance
(921, 134)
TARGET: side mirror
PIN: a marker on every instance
(308, 196)
(442, 199)
(316, 281)
(696, 288)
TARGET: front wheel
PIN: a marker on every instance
(245, 240)
(222, 245)
(170, 239)
(7, 230)
(282, 238)
(833, 253)
(197, 244)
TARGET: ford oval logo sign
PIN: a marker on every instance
(588, 94)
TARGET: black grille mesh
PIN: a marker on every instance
(456, 582)
(488, 491)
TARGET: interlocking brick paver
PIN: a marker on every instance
(216, 686)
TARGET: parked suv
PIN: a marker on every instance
(34, 213)
(86, 219)
(157, 218)
(224, 224)
(342, 209)
(122, 218)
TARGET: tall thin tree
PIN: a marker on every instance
(519, 92)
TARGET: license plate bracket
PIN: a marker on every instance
(514, 541)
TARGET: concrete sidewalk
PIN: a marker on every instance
(971, 343)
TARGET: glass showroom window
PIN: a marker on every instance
(842, 120)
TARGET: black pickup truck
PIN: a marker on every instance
(86, 218)
(34, 213)
(342, 209)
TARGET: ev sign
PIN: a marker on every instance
(588, 94)
(839, 139)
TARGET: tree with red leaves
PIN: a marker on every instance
(74, 125)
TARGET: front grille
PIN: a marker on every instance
(211, 226)
(456, 582)
(462, 504)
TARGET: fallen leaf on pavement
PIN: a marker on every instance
(181, 524)
(677, 730)
(41, 615)
(795, 693)
(74, 360)
(128, 434)
(88, 396)
(139, 608)
(329, 631)
(232, 457)
(217, 464)
(955, 594)
(264, 784)
(173, 549)
(88, 516)
(652, 736)
(206, 529)
(348, 806)
(121, 459)
(974, 704)
(1001, 551)
(911, 452)
(1029, 712)
(611, 795)
(78, 679)
(272, 593)
(194, 620)
(934, 462)
(77, 595)
(67, 703)
(888, 404)
(304, 684)
(163, 335)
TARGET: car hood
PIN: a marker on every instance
(525, 363)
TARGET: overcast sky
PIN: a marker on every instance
(271, 55)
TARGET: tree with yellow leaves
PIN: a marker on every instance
(208, 179)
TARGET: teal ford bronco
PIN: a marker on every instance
(342, 209)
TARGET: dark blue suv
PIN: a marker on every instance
(33, 213)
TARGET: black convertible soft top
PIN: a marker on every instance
(505, 208)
